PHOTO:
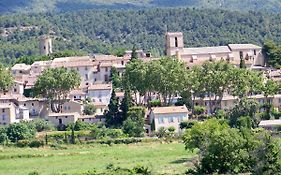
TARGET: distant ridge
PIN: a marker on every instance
(35, 6)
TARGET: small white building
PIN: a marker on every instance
(168, 117)
(7, 113)
(63, 118)
(100, 93)
(270, 124)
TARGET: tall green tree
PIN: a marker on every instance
(113, 115)
(126, 103)
(115, 78)
(6, 79)
(134, 54)
(55, 84)
(134, 124)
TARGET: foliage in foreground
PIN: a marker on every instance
(229, 150)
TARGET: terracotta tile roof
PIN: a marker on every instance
(170, 110)
(243, 46)
(77, 92)
(99, 104)
(42, 63)
(120, 94)
(174, 33)
(100, 87)
(21, 67)
(270, 123)
(205, 50)
(106, 64)
(75, 114)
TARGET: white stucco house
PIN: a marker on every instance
(168, 117)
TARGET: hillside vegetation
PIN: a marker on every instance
(104, 31)
(24, 6)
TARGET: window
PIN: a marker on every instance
(122, 62)
(65, 116)
(160, 120)
(86, 68)
(95, 79)
(3, 110)
(106, 78)
(32, 104)
(75, 97)
(77, 68)
(106, 69)
(176, 41)
(279, 100)
(3, 117)
(83, 120)
(68, 107)
(86, 76)
(180, 118)
(24, 104)
(255, 52)
(20, 71)
(171, 119)
(15, 90)
(65, 108)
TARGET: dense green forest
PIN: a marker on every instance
(27, 6)
(104, 31)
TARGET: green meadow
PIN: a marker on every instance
(161, 158)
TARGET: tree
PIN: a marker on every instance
(6, 79)
(244, 107)
(226, 150)
(270, 88)
(135, 78)
(115, 78)
(89, 109)
(19, 131)
(268, 156)
(134, 124)
(55, 84)
(126, 103)
(242, 64)
(134, 54)
(113, 115)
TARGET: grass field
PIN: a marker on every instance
(160, 158)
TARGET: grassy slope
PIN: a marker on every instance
(162, 158)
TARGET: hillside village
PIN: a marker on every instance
(17, 104)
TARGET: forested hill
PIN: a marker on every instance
(102, 31)
(24, 6)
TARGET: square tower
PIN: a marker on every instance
(174, 43)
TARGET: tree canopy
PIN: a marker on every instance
(55, 84)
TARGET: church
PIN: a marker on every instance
(233, 53)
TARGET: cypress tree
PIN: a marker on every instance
(134, 54)
(113, 110)
(126, 104)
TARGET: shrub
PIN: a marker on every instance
(162, 132)
(89, 109)
(3, 135)
(41, 125)
(187, 124)
(36, 144)
(142, 170)
(20, 131)
(23, 143)
(155, 103)
(33, 173)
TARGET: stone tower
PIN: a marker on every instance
(174, 43)
(45, 45)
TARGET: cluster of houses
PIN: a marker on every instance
(16, 104)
